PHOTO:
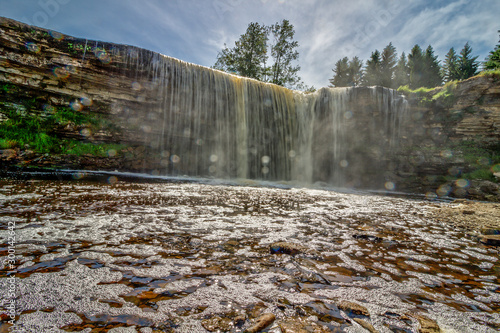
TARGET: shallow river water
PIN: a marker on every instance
(191, 257)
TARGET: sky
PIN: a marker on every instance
(326, 30)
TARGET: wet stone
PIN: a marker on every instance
(493, 240)
(287, 248)
(297, 326)
(262, 322)
(427, 325)
(217, 323)
(366, 325)
(353, 309)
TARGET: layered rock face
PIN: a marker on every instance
(182, 119)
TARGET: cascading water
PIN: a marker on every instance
(204, 122)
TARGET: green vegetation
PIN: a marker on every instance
(493, 59)
(421, 68)
(250, 54)
(31, 122)
(483, 160)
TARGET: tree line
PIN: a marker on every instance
(249, 57)
(421, 68)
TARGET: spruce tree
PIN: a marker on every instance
(467, 65)
(401, 73)
(355, 71)
(372, 70)
(387, 65)
(416, 66)
(493, 60)
(449, 70)
(432, 71)
(341, 73)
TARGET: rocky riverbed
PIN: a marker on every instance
(206, 257)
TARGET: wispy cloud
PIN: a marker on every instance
(327, 30)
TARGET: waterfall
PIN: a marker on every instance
(203, 122)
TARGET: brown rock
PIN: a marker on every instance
(366, 325)
(262, 322)
(353, 308)
(287, 248)
(8, 154)
(427, 325)
(217, 323)
(491, 240)
(296, 326)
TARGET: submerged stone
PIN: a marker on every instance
(287, 248)
(366, 325)
(262, 322)
(217, 324)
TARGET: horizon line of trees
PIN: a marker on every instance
(421, 68)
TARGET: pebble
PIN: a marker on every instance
(353, 308)
(491, 240)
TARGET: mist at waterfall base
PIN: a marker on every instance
(202, 122)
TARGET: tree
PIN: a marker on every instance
(416, 66)
(387, 65)
(493, 59)
(284, 52)
(432, 72)
(401, 73)
(450, 67)
(467, 65)
(347, 73)
(356, 71)
(249, 56)
(372, 71)
(341, 73)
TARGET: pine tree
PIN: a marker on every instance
(341, 73)
(432, 71)
(449, 70)
(372, 70)
(493, 60)
(387, 65)
(401, 73)
(467, 65)
(355, 72)
(249, 55)
(347, 73)
(284, 53)
(416, 66)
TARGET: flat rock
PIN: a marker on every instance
(366, 325)
(262, 322)
(353, 308)
(427, 325)
(287, 248)
(217, 323)
(491, 240)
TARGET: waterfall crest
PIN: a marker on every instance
(207, 123)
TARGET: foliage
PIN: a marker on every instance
(284, 52)
(387, 65)
(347, 73)
(450, 71)
(416, 66)
(491, 73)
(249, 55)
(431, 71)
(78, 148)
(401, 73)
(467, 65)
(372, 75)
(493, 59)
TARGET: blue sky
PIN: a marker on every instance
(327, 30)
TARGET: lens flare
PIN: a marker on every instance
(175, 159)
(431, 195)
(112, 180)
(443, 190)
(76, 106)
(32, 47)
(265, 159)
(292, 153)
(86, 132)
(344, 164)
(214, 158)
(60, 72)
(86, 101)
(112, 153)
(265, 170)
(446, 154)
(390, 186)
(56, 35)
(462, 183)
(136, 86)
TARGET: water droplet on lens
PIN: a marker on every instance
(265, 159)
(214, 158)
